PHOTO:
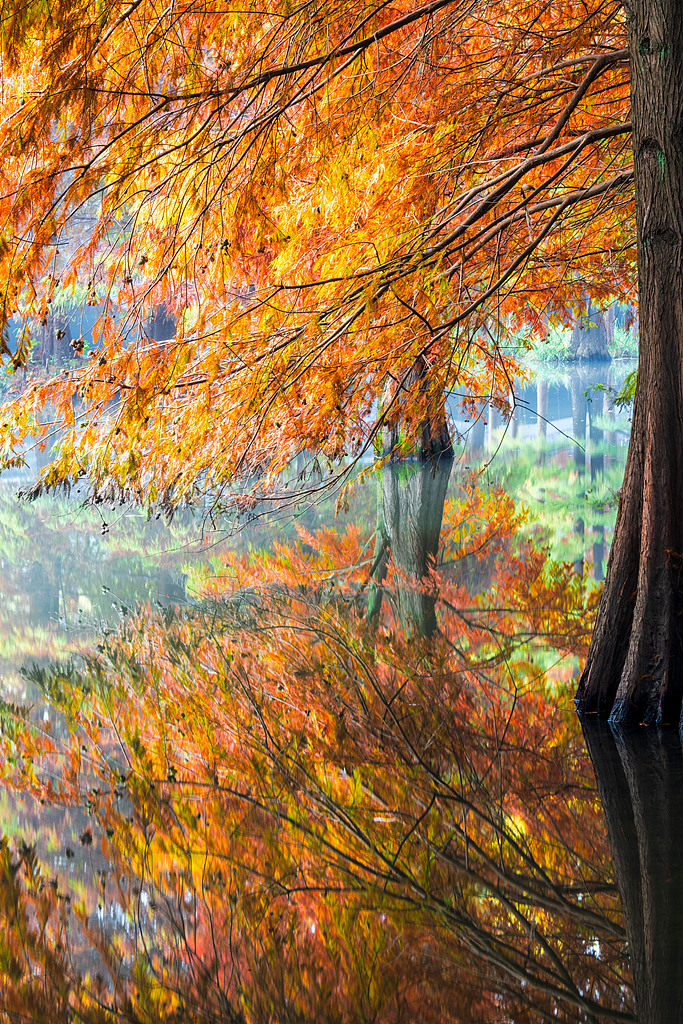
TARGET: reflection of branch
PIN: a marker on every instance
(375, 565)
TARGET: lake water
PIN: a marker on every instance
(327, 766)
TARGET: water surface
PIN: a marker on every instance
(328, 767)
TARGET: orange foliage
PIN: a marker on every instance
(321, 197)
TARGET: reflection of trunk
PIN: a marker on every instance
(43, 595)
(589, 337)
(640, 780)
(476, 435)
(597, 458)
(171, 588)
(409, 513)
(415, 402)
(579, 408)
(542, 409)
(579, 530)
(598, 552)
(634, 669)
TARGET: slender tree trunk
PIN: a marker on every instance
(542, 410)
(53, 343)
(634, 670)
(609, 325)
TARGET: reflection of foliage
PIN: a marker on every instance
(63, 576)
(565, 501)
(302, 819)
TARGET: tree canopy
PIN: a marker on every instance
(336, 213)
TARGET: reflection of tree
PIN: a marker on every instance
(640, 778)
(60, 573)
(542, 410)
(409, 513)
(313, 826)
(43, 594)
(578, 514)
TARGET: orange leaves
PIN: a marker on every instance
(322, 200)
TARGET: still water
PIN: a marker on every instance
(327, 767)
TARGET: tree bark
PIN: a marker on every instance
(415, 399)
(634, 670)
(589, 337)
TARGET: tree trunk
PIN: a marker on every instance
(415, 398)
(53, 342)
(542, 410)
(161, 325)
(610, 317)
(639, 780)
(589, 337)
(634, 670)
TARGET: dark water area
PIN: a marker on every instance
(327, 767)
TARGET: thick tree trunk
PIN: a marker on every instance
(634, 670)
(415, 400)
(639, 779)
(589, 337)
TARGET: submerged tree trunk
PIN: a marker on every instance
(410, 506)
(634, 670)
(640, 781)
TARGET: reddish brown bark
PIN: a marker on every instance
(634, 670)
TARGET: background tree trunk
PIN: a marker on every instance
(634, 670)
(53, 342)
(589, 337)
(161, 325)
(542, 410)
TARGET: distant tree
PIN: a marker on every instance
(589, 339)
